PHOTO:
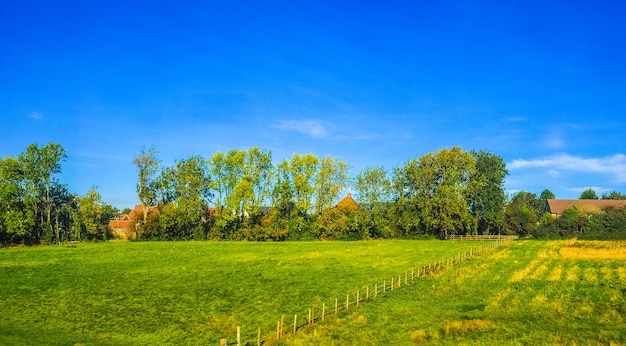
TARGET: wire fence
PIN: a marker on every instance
(288, 325)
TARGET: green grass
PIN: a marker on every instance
(189, 292)
(523, 293)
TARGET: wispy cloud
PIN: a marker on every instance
(516, 119)
(311, 127)
(36, 115)
(614, 166)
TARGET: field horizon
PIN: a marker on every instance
(523, 292)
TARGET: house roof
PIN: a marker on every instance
(557, 206)
(348, 203)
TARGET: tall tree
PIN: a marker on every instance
(613, 195)
(188, 186)
(546, 195)
(16, 219)
(444, 189)
(147, 165)
(39, 166)
(95, 214)
(487, 197)
(301, 171)
(258, 172)
(331, 178)
(589, 194)
(372, 187)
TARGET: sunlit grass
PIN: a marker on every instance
(186, 292)
(540, 298)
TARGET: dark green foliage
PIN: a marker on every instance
(589, 194)
(609, 224)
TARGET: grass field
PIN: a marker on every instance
(186, 292)
(523, 293)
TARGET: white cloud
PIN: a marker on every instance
(516, 119)
(612, 165)
(553, 173)
(310, 127)
(36, 115)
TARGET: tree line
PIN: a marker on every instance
(36, 208)
(244, 195)
(451, 191)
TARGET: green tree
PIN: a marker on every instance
(95, 215)
(614, 195)
(331, 178)
(444, 190)
(373, 188)
(298, 177)
(39, 165)
(530, 201)
(258, 173)
(589, 194)
(185, 209)
(546, 195)
(487, 197)
(148, 166)
(16, 219)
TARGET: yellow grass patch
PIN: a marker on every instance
(593, 253)
(539, 300)
(463, 327)
(584, 310)
(419, 336)
(558, 304)
(538, 272)
(611, 316)
(506, 253)
(621, 273)
(556, 273)
(361, 320)
(590, 275)
(498, 298)
(552, 250)
(521, 274)
(572, 273)
(607, 273)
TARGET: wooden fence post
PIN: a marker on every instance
(278, 330)
(282, 325)
(295, 323)
(367, 293)
(347, 301)
(358, 296)
(323, 311)
(238, 335)
(392, 283)
(258, 337)
(336, 306)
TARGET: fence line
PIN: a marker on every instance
(482, 237)
(357, 298)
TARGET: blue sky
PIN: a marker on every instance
(542, 84)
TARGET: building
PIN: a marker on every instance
(556, 207)
(348, 203)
